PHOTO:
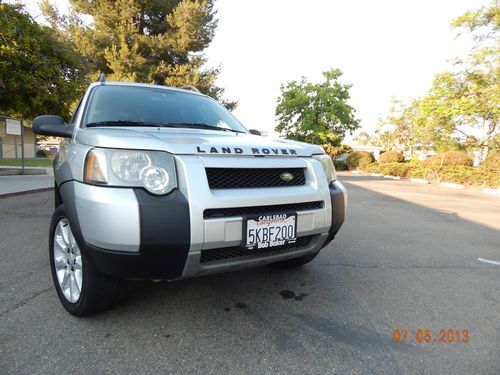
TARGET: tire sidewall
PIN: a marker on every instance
(75, 307)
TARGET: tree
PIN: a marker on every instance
(400, 130)
(40, 72)
(465, 103)
(316, 112)
(364, 139)
(153, 41)
(409, 128)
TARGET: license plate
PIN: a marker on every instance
(272, 230)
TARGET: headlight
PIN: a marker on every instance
(152, 170)
(128, 165)
(328, 167)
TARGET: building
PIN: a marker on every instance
(10, 143)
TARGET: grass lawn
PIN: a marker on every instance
(38, 162)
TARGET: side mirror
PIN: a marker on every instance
(255, 132)
(52, 125)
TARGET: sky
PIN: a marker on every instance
(385, 48)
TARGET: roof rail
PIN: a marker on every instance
(102, 78)
(190, 88)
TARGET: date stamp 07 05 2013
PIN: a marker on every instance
(430, 336)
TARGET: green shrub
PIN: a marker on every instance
(457, 175)
(432, 162)
(448, 158)
(340, 165)
(418, 171)
(359, 159)
(488, 173)
(372, 168)
(335, 151)
(490, 179)
(391, 157)
(457, 158)
(396, 169)
(44, 154)
(391, 169)
(464, 175)
(492, 162)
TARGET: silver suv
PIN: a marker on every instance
(154, 182)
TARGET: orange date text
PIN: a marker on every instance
(431, 336)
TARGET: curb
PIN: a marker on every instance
(451, 185)
(19, 172)
(24, 192)
(489, 191)
(419, 181)
(492, 191)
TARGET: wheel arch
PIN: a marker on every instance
(57, 196)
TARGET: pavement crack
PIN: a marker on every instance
(24, 301)
(490, 298)
(402, 267)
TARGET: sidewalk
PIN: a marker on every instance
(18, 184)
(15, 170)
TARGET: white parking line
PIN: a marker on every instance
(489, 261)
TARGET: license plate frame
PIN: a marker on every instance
(270, 220)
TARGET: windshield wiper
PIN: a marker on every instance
(193, 125)
(124, 123)
(200, 125)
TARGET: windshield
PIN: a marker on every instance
(139, 106)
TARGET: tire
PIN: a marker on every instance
(80, 288)
(296, 262)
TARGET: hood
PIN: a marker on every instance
(193, 141)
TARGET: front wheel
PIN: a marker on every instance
(295, 262)
(80, 288)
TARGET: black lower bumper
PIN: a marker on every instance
(155, 264)
(337, 196)
(165, 238)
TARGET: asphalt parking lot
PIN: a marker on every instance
(406, 258)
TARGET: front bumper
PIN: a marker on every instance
(129, 233)
(162, 224)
